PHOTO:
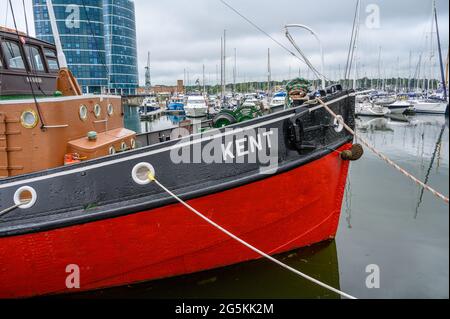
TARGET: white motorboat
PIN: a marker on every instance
(278, 101)
(196, 106)
(400, 107)
(371, 109)
(149, 105)
(252, 102)
(429, 106)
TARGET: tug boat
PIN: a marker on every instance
(75, 192)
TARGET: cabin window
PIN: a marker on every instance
(52, 60)
(34, 58)
(12, 55)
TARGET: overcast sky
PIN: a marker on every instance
(186, 34)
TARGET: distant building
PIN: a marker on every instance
(164, 89)
(121, 47)
(98, 39)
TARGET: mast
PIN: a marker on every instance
(444, 84)
(419, 70)
(358, 19)
(269, 73)
(431, 49)
(204, 84)
(379, 70)
(234, 70)
(410, 75)
(148, 79)
(446, 68)
(61, 56)
(221, 68)
(224, 88)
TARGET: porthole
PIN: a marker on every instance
(338, 126)
(140, 173)
(97, 110)
(29, 119)
(110, 109)
(83, 112)
(112, 150)
(133, 143)
(25, 197)
(123, 146)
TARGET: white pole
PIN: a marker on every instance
(322, 66)
(61, 57)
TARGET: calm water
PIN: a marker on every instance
(386, 221)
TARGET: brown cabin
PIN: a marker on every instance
(44, 119)
(24, 61)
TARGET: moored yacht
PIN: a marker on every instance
(430, 106)
(196, 106)
(149, 105)
(278, 101)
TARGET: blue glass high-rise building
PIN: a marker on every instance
(98, 39)
(121, 47)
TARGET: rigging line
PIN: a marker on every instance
(152, 178)
(38, 108)
(26, 18)
(34, 68)
(102, 60)
(351, 52)
(308, 63)
(262, 31)
(350, 47)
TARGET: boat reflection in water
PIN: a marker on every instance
(247, 280)
(389, 221)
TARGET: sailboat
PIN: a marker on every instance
(428, 105)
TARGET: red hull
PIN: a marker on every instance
(278, 214)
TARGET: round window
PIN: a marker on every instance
(83, 112)
(123, 146)
(29, 119)
(110, 109)
(112, 150)
(133, 143)
(97, 110)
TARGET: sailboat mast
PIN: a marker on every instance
(204, 84)
(224, 62)
(444, 84)
(269, 73)
(221, 68)
(431, 49)
(234, 70)
(148, 80)
(61, 56)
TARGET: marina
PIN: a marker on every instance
(326, 184)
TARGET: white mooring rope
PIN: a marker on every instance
(256, 250)
(384, 157)
(10, 209)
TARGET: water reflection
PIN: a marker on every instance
(395, 224)
(386, 220)
(259, 279)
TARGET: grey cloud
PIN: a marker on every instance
(186, 34)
